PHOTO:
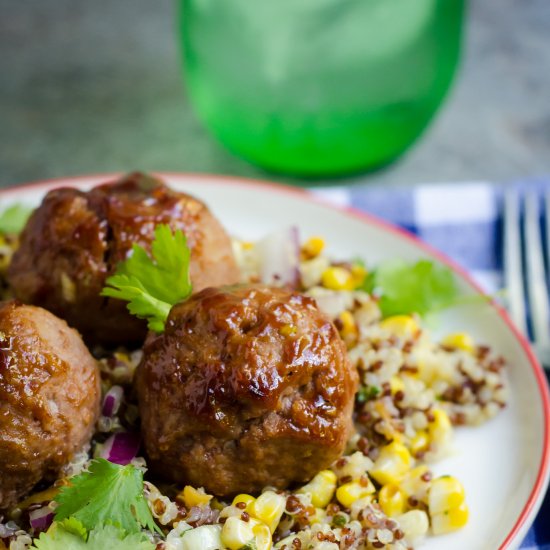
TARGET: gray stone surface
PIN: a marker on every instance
(89, 87)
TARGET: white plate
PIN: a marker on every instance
(504, 464)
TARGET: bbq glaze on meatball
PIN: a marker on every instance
(247, 387)
(74, 241)
(49, 397)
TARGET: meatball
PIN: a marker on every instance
(247, 387)
(49, 397)
(75, 239)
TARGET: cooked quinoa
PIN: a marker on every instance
(381, 494)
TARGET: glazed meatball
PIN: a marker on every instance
(74, 241)
(49, 397)
(247, 387)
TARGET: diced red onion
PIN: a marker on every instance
(279, 257)
(112, 401)
(41, 518)
(121, 448)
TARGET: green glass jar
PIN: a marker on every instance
(319, 87)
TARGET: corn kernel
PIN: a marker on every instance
(348, 493)
(420, 442)
(391, 500)
(262, 536)
(205, 537)
(321, 488)
(414, 524)
(440, 429)
(313, 247)
(413, 483)
(396, 384)
(392, 463)
(194, 497)
(236, 533)
(247, 245)
(450, 520)
(268, 508)
(337, 278)
(403, 326)
(37, 498)
(247, 499)
(349, 328)
(319, 517)
(459, 340)
(446, 493)
(358, 274)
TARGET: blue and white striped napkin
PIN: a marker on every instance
(463, 220)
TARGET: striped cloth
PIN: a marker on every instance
(464, 221)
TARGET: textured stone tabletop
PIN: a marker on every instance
(89, 87)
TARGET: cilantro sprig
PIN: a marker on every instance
(70, 535)
(14, 218)
(423, 287)
(152, 285)
(106, 494)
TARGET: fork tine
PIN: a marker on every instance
(537, 291)
(513, 273)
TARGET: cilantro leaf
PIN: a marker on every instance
(152, 285)
(423, 287)
(106, 494)
(366, 393)
(14, 218)
(59, 537)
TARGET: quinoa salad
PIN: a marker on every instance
(413, 392)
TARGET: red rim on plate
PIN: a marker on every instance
(536, 496)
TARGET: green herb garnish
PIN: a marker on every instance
(366, 393)
(423, 287)
(14, 218)
(339, 520)
(61, 535)
(152, 285)
(106, 494)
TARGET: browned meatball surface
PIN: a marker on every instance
(247, 387)
(49, 397)
(75, 239)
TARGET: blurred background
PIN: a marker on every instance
(90, 87)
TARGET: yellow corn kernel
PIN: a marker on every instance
(396, 384)
(459, 340)
(313, 247)
(247, 245)
(392, 500)
(349, 328)
(319, 517)
(412, 483)
(337, 278)
(358, 274)
(268, 508)
(236, 533)
(262, 535)
(403, 326)
(392, 463)
(420, 442)
(446, 493)
(440, 429)
(194, 497)
(247, 499)
(348, 493)
(37, 498)
(321, 488)
(450, 520)
(288, 330)
(414, 524)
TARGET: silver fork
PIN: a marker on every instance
(524, 271)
